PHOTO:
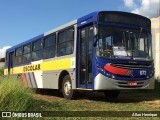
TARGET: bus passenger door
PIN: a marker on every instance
(85, 57)
(10, 62)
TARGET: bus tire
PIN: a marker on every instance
(67, 90)
(111, 94)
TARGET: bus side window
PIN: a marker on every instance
(26, 53)
(37, 50)
(18, 55)
(49, 47)
(6, 60)
(65, 44)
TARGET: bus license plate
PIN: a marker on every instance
(132, 83)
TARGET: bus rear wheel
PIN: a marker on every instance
(111, 94)
(67, 90)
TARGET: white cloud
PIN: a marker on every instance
(3, 51)
(147, 8)
(130, 3)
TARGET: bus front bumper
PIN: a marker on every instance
(102, 82)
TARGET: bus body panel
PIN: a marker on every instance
(50, 78)
(45, 74)
(85, 20)
(101, 82)
(49, 73)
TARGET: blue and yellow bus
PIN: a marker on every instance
(105, 51)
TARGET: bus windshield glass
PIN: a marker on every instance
(124, 43)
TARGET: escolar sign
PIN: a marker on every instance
(31, 68)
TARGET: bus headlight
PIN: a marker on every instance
(100, 68)
(150, 75)
(107, 74)
(113, 76)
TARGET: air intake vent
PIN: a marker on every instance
(127, 66)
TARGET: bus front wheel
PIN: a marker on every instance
(67, 90)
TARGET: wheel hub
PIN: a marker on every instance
(67, 88)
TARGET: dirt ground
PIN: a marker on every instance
(51, 95)
(48, 95)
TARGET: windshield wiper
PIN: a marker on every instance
(129, 37)
(124, 39)
(141, 28)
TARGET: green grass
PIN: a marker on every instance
(125, 102)
(90, 101)
(1, 71)
(131, 101)
(13, 96)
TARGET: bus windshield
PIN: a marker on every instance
(124, 43)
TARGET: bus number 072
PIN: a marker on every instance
(143, 72)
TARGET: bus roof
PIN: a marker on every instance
(25, 42)
(60, 27)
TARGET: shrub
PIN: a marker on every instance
(13, 95)
(1, 71)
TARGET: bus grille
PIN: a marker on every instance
(131, 66)
(131, 76)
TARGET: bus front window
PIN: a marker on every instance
(123, 42)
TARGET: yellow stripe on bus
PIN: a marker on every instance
(57, 64)
(5, 71)
(60, 64)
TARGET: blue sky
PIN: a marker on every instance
(21, 20)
